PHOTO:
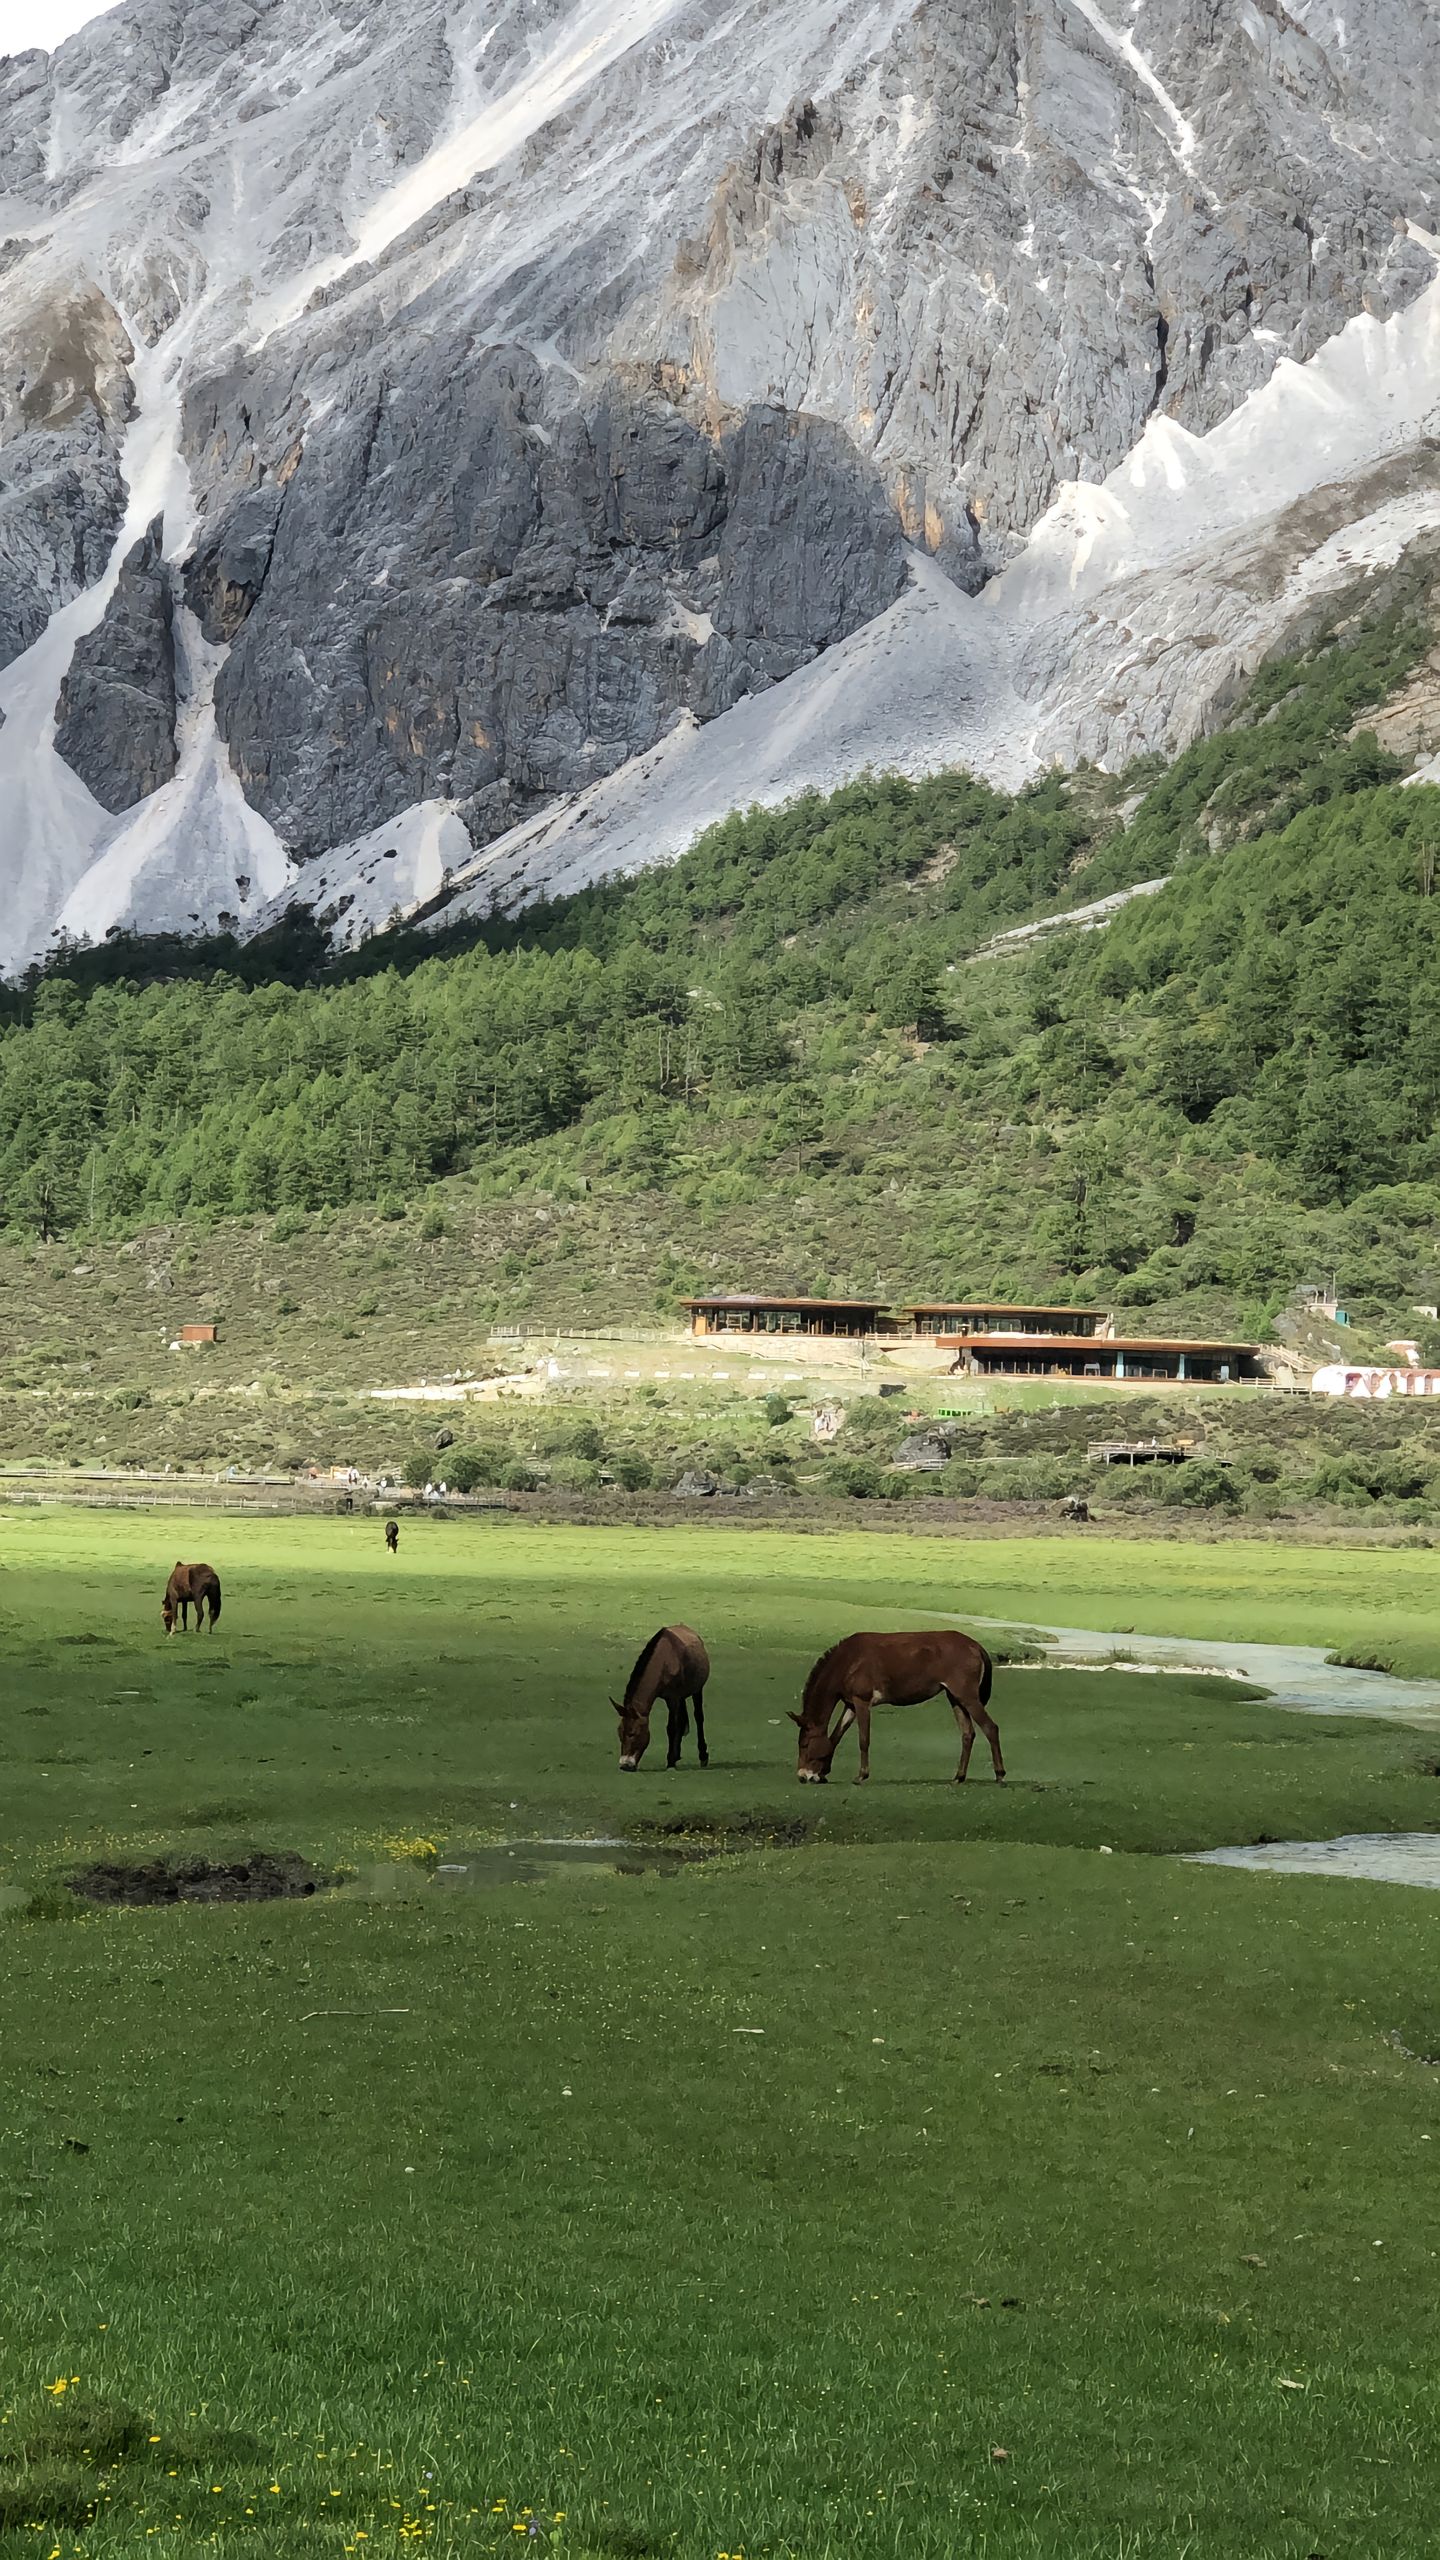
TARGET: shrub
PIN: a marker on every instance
(565, 1437)
(1025, 1479)
(432, 1226)
(778, 1410)
(632, 1472)
(864, 1480)
(1337, 1480)
(1200, 1485)
(368, 1306)
(468, 1468)
(574, 1475)
(869, 1419)
(418, 1468)
(518, 1478)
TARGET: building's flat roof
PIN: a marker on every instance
(826, 1306)
(1090, 1342)
(992, 1307)
(1136, 1449)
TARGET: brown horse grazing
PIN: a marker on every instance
(893, 1671)
(675, 1666)
(191, 1586)
(392, 1536)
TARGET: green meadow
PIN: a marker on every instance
(924, 2172)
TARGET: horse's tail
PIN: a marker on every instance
(987, 1674)
(214, 1602)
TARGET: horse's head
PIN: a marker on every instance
(167, 1612)
(634, 1733)
(819, 1743)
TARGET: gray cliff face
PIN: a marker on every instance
(115, 722)
(64, 403)
(578, 576)
(517, 382)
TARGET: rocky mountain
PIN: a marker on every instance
(463, 447)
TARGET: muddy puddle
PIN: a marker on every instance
(264, 1876)
(508, 1862)
(283, 1876)
(1380, 1857)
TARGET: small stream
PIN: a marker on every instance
(1384, 1857)
(1295, 1675)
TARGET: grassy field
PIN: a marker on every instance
(937, 2185)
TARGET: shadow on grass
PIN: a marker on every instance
(83, 2448)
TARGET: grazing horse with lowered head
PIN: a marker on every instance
(893, 1671)
(392, 1536)
(675, 1666)
(191, 1586)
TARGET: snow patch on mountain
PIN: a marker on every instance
(1371, 390)
(382, 878)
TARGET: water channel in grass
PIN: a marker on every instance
(1297, 1676)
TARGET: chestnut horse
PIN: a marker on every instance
(675, 1666)
(893, 1671)
(392, 1536)
(191, 1586)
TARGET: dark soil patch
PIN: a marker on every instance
(267, 1876)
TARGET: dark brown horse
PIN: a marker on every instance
(893, 1671)
(191, 1586)
(392, 1536)
(675, 1666)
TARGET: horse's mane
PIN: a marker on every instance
(812, 1685)
(642, 1661)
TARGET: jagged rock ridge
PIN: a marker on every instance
(534, 392)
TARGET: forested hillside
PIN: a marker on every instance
(1230, 1088)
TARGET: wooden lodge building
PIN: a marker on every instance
(858, 1317)
(988, 1340)
(1066, 1355)
(975, 1316)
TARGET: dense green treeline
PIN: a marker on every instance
(207, 1095)
(1237, 1077)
